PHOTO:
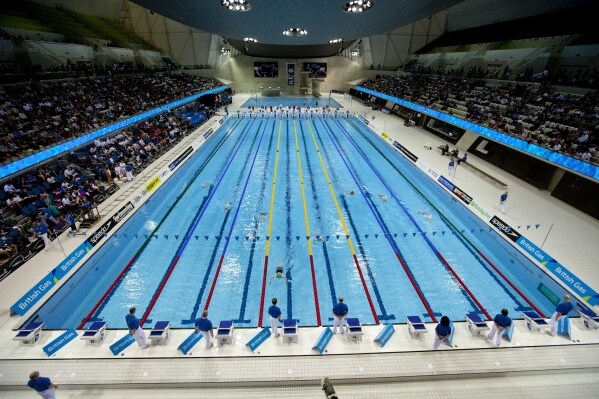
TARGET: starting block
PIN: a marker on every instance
(589, 318)
(30, 334)
(161, 332)
(290, 331)
(476, 325)
(354, 329)
(224, 332)
(534, 322)
(95, 334)
(416, 327)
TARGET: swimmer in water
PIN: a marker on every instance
(425, 214)
(279, 274)
(205, 184)
(351, 193)
(228, 206)
(383, 198)
(263, 217)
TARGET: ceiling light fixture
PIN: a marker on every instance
(355, 52)
(237, 5)
(335, 41)
(295, 32)
(357, 6)
(250, 40)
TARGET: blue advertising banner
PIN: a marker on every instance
(36, 293)
(258, 339)
(385, 335)
(60, 342)
(122, 344)
(449, 340)
(190, 342)
(541, 152)
(563, 327)
(509, 333)
(450, 186)
(44, 155)
(323, 340)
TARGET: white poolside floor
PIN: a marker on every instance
(531, 366)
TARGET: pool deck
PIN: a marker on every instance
(78, 367)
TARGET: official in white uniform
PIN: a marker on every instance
(275, 316)
(204, 326)
(340, 310)
(42, 385)
(135, 329)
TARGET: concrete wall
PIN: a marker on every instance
(106, 8)
(342, 74)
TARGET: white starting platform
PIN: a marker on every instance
(354, 329)
(476, 325)
(590, 319)
(161, 332)
(290, 331)
(224, 332)
(534, 322)
(416, 327)
(96, 333)
(31, 334)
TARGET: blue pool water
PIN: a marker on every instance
(373, 247)
(291, 101)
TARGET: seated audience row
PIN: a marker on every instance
(50, 112)
(565, 123)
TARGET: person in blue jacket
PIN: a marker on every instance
(442, 332)
(561, 311)
(340, 311)
(42, 385)
(275, 316)
(41, 229)
(501, 322)
(204, 326)
(135, 329)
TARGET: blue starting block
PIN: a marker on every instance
(290, 328)
(354, 328)
(30, 334)
(589, 318)
(95, 334)
(476, 325)
(224, 332)
(416, 327)
(161, 332)
(534, 322)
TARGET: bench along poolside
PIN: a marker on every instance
(484, 175)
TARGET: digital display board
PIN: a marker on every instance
(318, 69)
(266, 69)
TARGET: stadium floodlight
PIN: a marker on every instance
(333, 41)
(357, 6)
(295, 32)
(237, 5)
(250, 40)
